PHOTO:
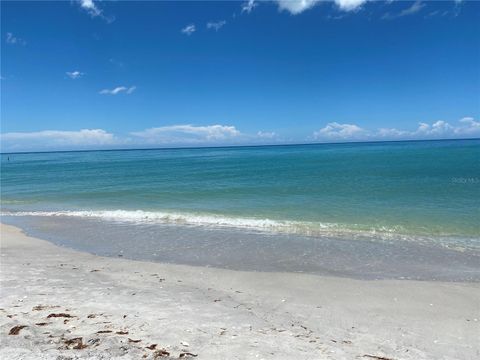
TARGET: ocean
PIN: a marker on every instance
(340, 209)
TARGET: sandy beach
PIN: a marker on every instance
(58, 303)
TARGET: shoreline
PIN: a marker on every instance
(237, 249)
(111, 303)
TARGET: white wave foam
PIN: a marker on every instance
(211, 220)
(350, 231)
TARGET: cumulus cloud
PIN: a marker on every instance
(118, 90)
(438, 128)
(12, 39)
(74, 74)
(466, 127)
(167, 136)
(248, 6)
(217, 25)
(189, 29)
(56, 139)
(188, 134)
(338, 131)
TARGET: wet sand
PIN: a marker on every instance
(59, 303)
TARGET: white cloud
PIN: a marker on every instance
(391, 133)
(416, 7)
(11, 39)
(413, 9)
(118, 90)
(338, 131)
(189, 29)
(438, 128)
(56, 139)
(188, 134)
(466, 127)
(93, 10)
(298, 6)
(248, 6)
(266, 135)
(74, 74)
(217, 25)
(90, 7)
(168, 136)
(350, 5)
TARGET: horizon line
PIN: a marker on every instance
(236, 146)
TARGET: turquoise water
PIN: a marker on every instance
(409, 189)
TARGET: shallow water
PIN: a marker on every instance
(238, 249)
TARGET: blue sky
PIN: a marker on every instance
(98, 74)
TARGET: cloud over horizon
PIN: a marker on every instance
(56, 139)
(465, 127)
(188, 133)
(163, 136)
(218, 135)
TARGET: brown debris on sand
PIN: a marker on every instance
(377, 357)
(104, 331)
(133, 341)
(44, 307)
(160, 353)
(151, 347)
(65, 315)
(41, 324)
(122, 332)
(75, 343)
(187, 354)
(16, 329)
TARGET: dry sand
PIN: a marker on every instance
(77, 305)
